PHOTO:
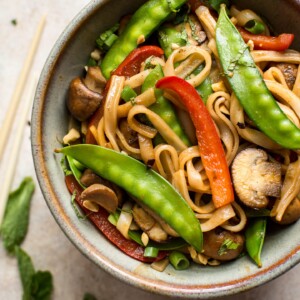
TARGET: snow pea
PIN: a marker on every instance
(255, 235)
(143, 22)
(143, 184)
(249, 86)
(162, 106)
(168, 35)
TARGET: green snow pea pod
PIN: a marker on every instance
(167, 36)
(249, 86)
(162, 106)
(255, 235)
(143, 22)
(144, 184)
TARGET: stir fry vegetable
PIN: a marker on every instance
(138, 30)
(143, 184)
(211, 150)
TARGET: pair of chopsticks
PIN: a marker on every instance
(10, 116)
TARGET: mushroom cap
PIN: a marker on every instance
(101, 195)
(255, 178)
(82, 102)
(94, 80)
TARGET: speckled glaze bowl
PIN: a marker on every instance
(49, 124)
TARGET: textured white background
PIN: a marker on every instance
(50, 250)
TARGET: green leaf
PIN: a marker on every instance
(228, 244)
(88, 296)
(16, 217)
(36, 285)
(26, 270)
(42, 285)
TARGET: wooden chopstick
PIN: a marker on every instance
(8, 121)
(14, 103)
(13, 155)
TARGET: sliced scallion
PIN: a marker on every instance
(151, 252)
(178, 260)
(255, 26)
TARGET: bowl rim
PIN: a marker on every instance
(197, 291)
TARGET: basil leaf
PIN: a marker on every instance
(16, 216)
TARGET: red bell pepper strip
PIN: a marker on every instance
(263, 42)
(132, 63)
(129, 67)
(100, 220)
(210, 146)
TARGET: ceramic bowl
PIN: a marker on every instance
(49, 124)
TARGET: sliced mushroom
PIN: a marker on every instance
(89, 178)
(166, 227)
(222, 244)
(94, 80)
(289, 72)
(82, 102)
(148, 224)
(255, 178)
(156, 233)
(292, 213)
(99, 194)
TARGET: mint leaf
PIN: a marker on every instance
(16, 216)
(26, 270)
(89, 296)
(36, 285)
(42, 285)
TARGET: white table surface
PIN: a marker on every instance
(73, 274)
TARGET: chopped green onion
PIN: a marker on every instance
(151, 252)
(178, 260)
(113, 218)
(107, 38)
(128, 94)
(255, 27)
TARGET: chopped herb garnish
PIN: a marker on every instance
(227, 245)
(14, 22)
(107, 38)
